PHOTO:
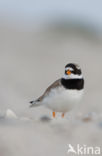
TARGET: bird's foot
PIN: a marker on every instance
(62, 115)
(53, 114)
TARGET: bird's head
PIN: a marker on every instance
(72, 71)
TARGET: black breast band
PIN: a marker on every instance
(73, 83)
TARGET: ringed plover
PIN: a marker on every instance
(64, 93)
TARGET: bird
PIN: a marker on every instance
(65, 93)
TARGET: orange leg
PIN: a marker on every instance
(53, 114)
(62, 115)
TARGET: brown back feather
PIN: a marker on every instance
(57, 83)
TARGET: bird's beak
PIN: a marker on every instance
(68, 72)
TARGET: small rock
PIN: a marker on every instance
(10, 114)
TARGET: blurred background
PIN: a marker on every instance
(37, 39)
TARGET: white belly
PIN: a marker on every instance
(62, 100)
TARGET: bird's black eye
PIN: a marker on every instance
(78, 71)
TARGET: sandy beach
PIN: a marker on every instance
(29, 62)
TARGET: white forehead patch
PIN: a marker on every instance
(69, 68)
(72, 76)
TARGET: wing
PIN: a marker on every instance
(56, 84)
(38, 101)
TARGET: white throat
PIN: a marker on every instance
(72, 76)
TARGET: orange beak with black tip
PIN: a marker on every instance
(68, 72)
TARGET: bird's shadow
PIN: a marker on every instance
(45, 118)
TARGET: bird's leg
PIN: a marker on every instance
(53, 114)
(62, 115)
